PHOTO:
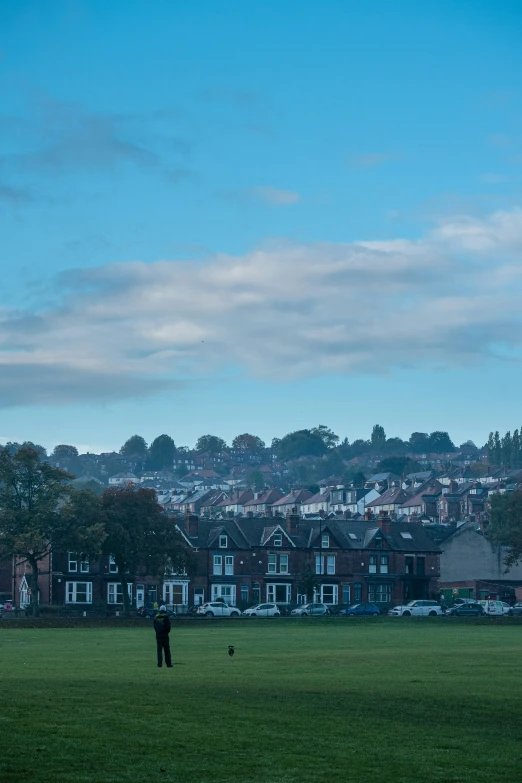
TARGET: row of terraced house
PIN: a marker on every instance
(248, 560)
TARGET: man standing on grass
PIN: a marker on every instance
(162, 628)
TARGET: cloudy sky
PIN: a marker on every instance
(219, 216)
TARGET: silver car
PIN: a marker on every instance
(311, 609)
(263, 610)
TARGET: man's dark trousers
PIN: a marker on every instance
(163, 644)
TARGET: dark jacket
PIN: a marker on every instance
(162, 624)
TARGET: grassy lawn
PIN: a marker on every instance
(302, 700)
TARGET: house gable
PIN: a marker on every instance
(268, 536)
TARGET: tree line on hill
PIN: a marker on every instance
(505, 451)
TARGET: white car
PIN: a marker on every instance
(263, 610)
(417, 609)
(506, 608)
(218, 609)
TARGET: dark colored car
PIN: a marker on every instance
(466, 610)
(371, 610)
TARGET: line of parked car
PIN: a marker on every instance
(419, 608)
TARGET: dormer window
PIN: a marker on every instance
(223, 542)
(277, 539)
(113, 568)
(325, 541)
(378, 543)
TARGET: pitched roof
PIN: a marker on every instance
(394, 495)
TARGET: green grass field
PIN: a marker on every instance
(302, 700)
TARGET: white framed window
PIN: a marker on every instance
(379, 593)
(278, 593)
(223, 542)
(73, 562)
(319, 564)
(84, 565)
(283, 564)
(78, 592)
(330, 564)
(325, 541)
(372, 568)
(272, 564)
(229, 565)
(384, 564)
(277, 539)
(226, 592)
(115, 592)
(113, 568)
(329, 594)
(218, 565)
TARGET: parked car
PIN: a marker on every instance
(263, 610)
(517, 608)
(417, 609)
(218, 609)
(492, 607)
(365, 608)
(466, 610)
(507, 609)
(311, 609)
(459, 601)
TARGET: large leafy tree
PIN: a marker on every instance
(255, 480)
(505, 523)
(247, 442)
(419, 441)
(161, 453)
(441, 442)
(399, 465)
(211, 443)
(141, 537)
(378, 438)
(329, 438)
(40, 510)
(134, 446)
(63, 451)
(299, 444)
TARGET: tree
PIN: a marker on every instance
(307, 583)
(41, 511)
(515, 450)
(491, 449)
(134, 446)
(359, 479)
(161, 453)
(419, 442)
(398, 465)
(140, 537)
(396, 446)
(440, 442)
(505, 524)
(248, 442)
(64, 452)
(255, 480)
(498, 449)
(506, 448)
(299, 444)
(211, 443)
(378, 438)
(479, 469)
(329, 438)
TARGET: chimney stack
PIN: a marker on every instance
(292, 522)
(347, 514)
(384, 522)
(191, 525)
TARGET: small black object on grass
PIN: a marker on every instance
(231, 650)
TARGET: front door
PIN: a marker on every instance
(140, 596)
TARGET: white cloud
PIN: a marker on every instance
(275, 196)
(450, 298)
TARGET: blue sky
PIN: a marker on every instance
(227, 216)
